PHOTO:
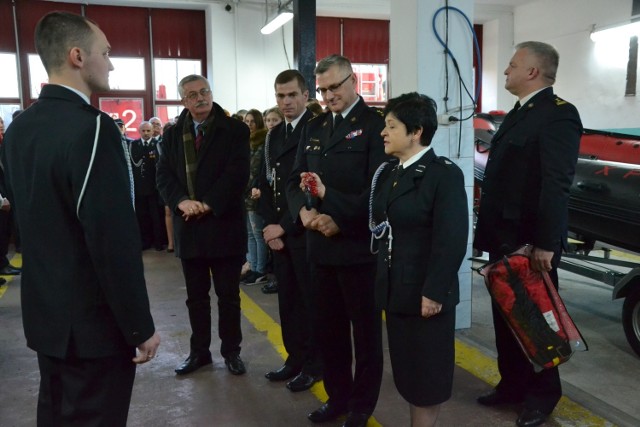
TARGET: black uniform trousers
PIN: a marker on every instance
(295, 302)
(541, 390)
(85, 392)
(5, 224)
(225, 272)
(345, 300)
(150, 215)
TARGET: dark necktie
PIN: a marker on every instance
(336, 122)
(511, 114)
(289, 130)
(199, 137)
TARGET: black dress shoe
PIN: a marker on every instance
(496, 398)
(235, 365)
(282, 373)
(531, 418)
(10, 271)
(270, 288)
(193, 362)
(356, 419)
(302, 382)
(327, 412)
(2, 281)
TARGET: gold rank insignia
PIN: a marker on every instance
(560, 101)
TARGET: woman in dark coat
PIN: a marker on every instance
(420, 220)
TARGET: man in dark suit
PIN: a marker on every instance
(202, 174)
(286, 237)
(525, 193)
(340, 150)
(84, 305)
(144, 156)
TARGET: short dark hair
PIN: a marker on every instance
(329, 61)
(547, 56)
(287, 75)
(56, 33)
(416, 112)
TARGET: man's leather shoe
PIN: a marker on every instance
(235, 365)
(302, 382)
(495, 398)
(193, 362)
(282, 373)
(10, 271)
(327, 412)
(531, 418)
(356, 419)
(270, 288)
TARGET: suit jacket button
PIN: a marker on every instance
(278, 164)
(278, 209)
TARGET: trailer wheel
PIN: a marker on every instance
(631, 319)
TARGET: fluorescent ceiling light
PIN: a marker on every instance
(279, 20)
(622, 31)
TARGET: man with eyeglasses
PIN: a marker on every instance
(201, 176)
(328, 191)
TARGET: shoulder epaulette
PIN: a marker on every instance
(560, 101)
(377, 110)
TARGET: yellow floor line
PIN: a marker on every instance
(264, 323)
(16, 261)
(468, 358)
(484, 367)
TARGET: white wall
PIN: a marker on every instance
(591, 76)
(417, 63)
(243, 61)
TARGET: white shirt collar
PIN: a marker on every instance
(80, 94)
(415, 157)
(526, 99)
(295, 121)
(346, 111)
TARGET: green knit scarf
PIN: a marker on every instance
(190, 154)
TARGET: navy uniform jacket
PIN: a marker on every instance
(223, 173)
(345, 162)
(525, 190)
(272, 205)
(429, 217)
(82, 277)
(144, 175)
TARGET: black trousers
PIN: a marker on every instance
(5, 231)
(295, 300)
(150, 214)
(345, 301)
(541, 390)
(225, 272)
(85, 392)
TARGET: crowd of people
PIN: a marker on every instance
(348, 207)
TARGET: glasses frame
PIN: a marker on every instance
(332, 88)
(193, 95)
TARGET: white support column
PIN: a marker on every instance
(418, 64)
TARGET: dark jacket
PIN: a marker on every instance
(272, 204)
(256, 159)
(143, 166)
(82, 277)
(223, 172)
(429, 218)
(525, 189)
(346, 162)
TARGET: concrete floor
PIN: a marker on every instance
(600, 385)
